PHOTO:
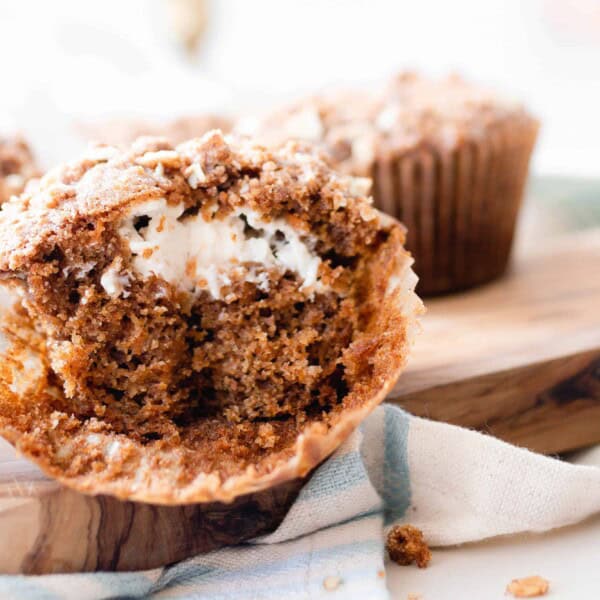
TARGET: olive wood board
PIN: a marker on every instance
(519, 358)
(48, 528)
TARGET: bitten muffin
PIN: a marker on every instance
(197, 322)
(448, 158)
(17, 166)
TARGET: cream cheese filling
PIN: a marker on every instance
(196, 254)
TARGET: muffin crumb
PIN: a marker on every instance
(406, 545)
(332, 583)
(528, 587)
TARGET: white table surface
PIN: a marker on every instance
(569, 559)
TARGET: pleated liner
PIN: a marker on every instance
(459, 205)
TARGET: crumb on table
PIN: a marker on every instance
(528, 587)
(406, 545)
(332, 583)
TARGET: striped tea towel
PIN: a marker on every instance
(455, 485)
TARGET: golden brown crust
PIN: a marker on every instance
(356, 129)
(106, 182)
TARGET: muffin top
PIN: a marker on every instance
(353, 128)
(222, 170)
(445, 111)
(339, 123)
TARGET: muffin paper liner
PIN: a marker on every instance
(459, 205)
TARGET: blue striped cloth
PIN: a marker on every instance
(455, 485)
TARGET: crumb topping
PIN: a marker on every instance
(353, 128)
(234, 174)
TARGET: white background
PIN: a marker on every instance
(71, 58)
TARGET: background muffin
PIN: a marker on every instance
(124, 131)
(448, 158)
(17, 166)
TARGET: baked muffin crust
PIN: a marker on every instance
(356, 128)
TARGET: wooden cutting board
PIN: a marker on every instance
(48, 528)
(519, 359)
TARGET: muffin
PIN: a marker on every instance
(448, 158)
(17, 166)
(121, 132)
(197, 322)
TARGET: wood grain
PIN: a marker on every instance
(518, 358)
(47, 528)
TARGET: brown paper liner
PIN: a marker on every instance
(460, 206)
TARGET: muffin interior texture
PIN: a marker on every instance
(210, 300)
